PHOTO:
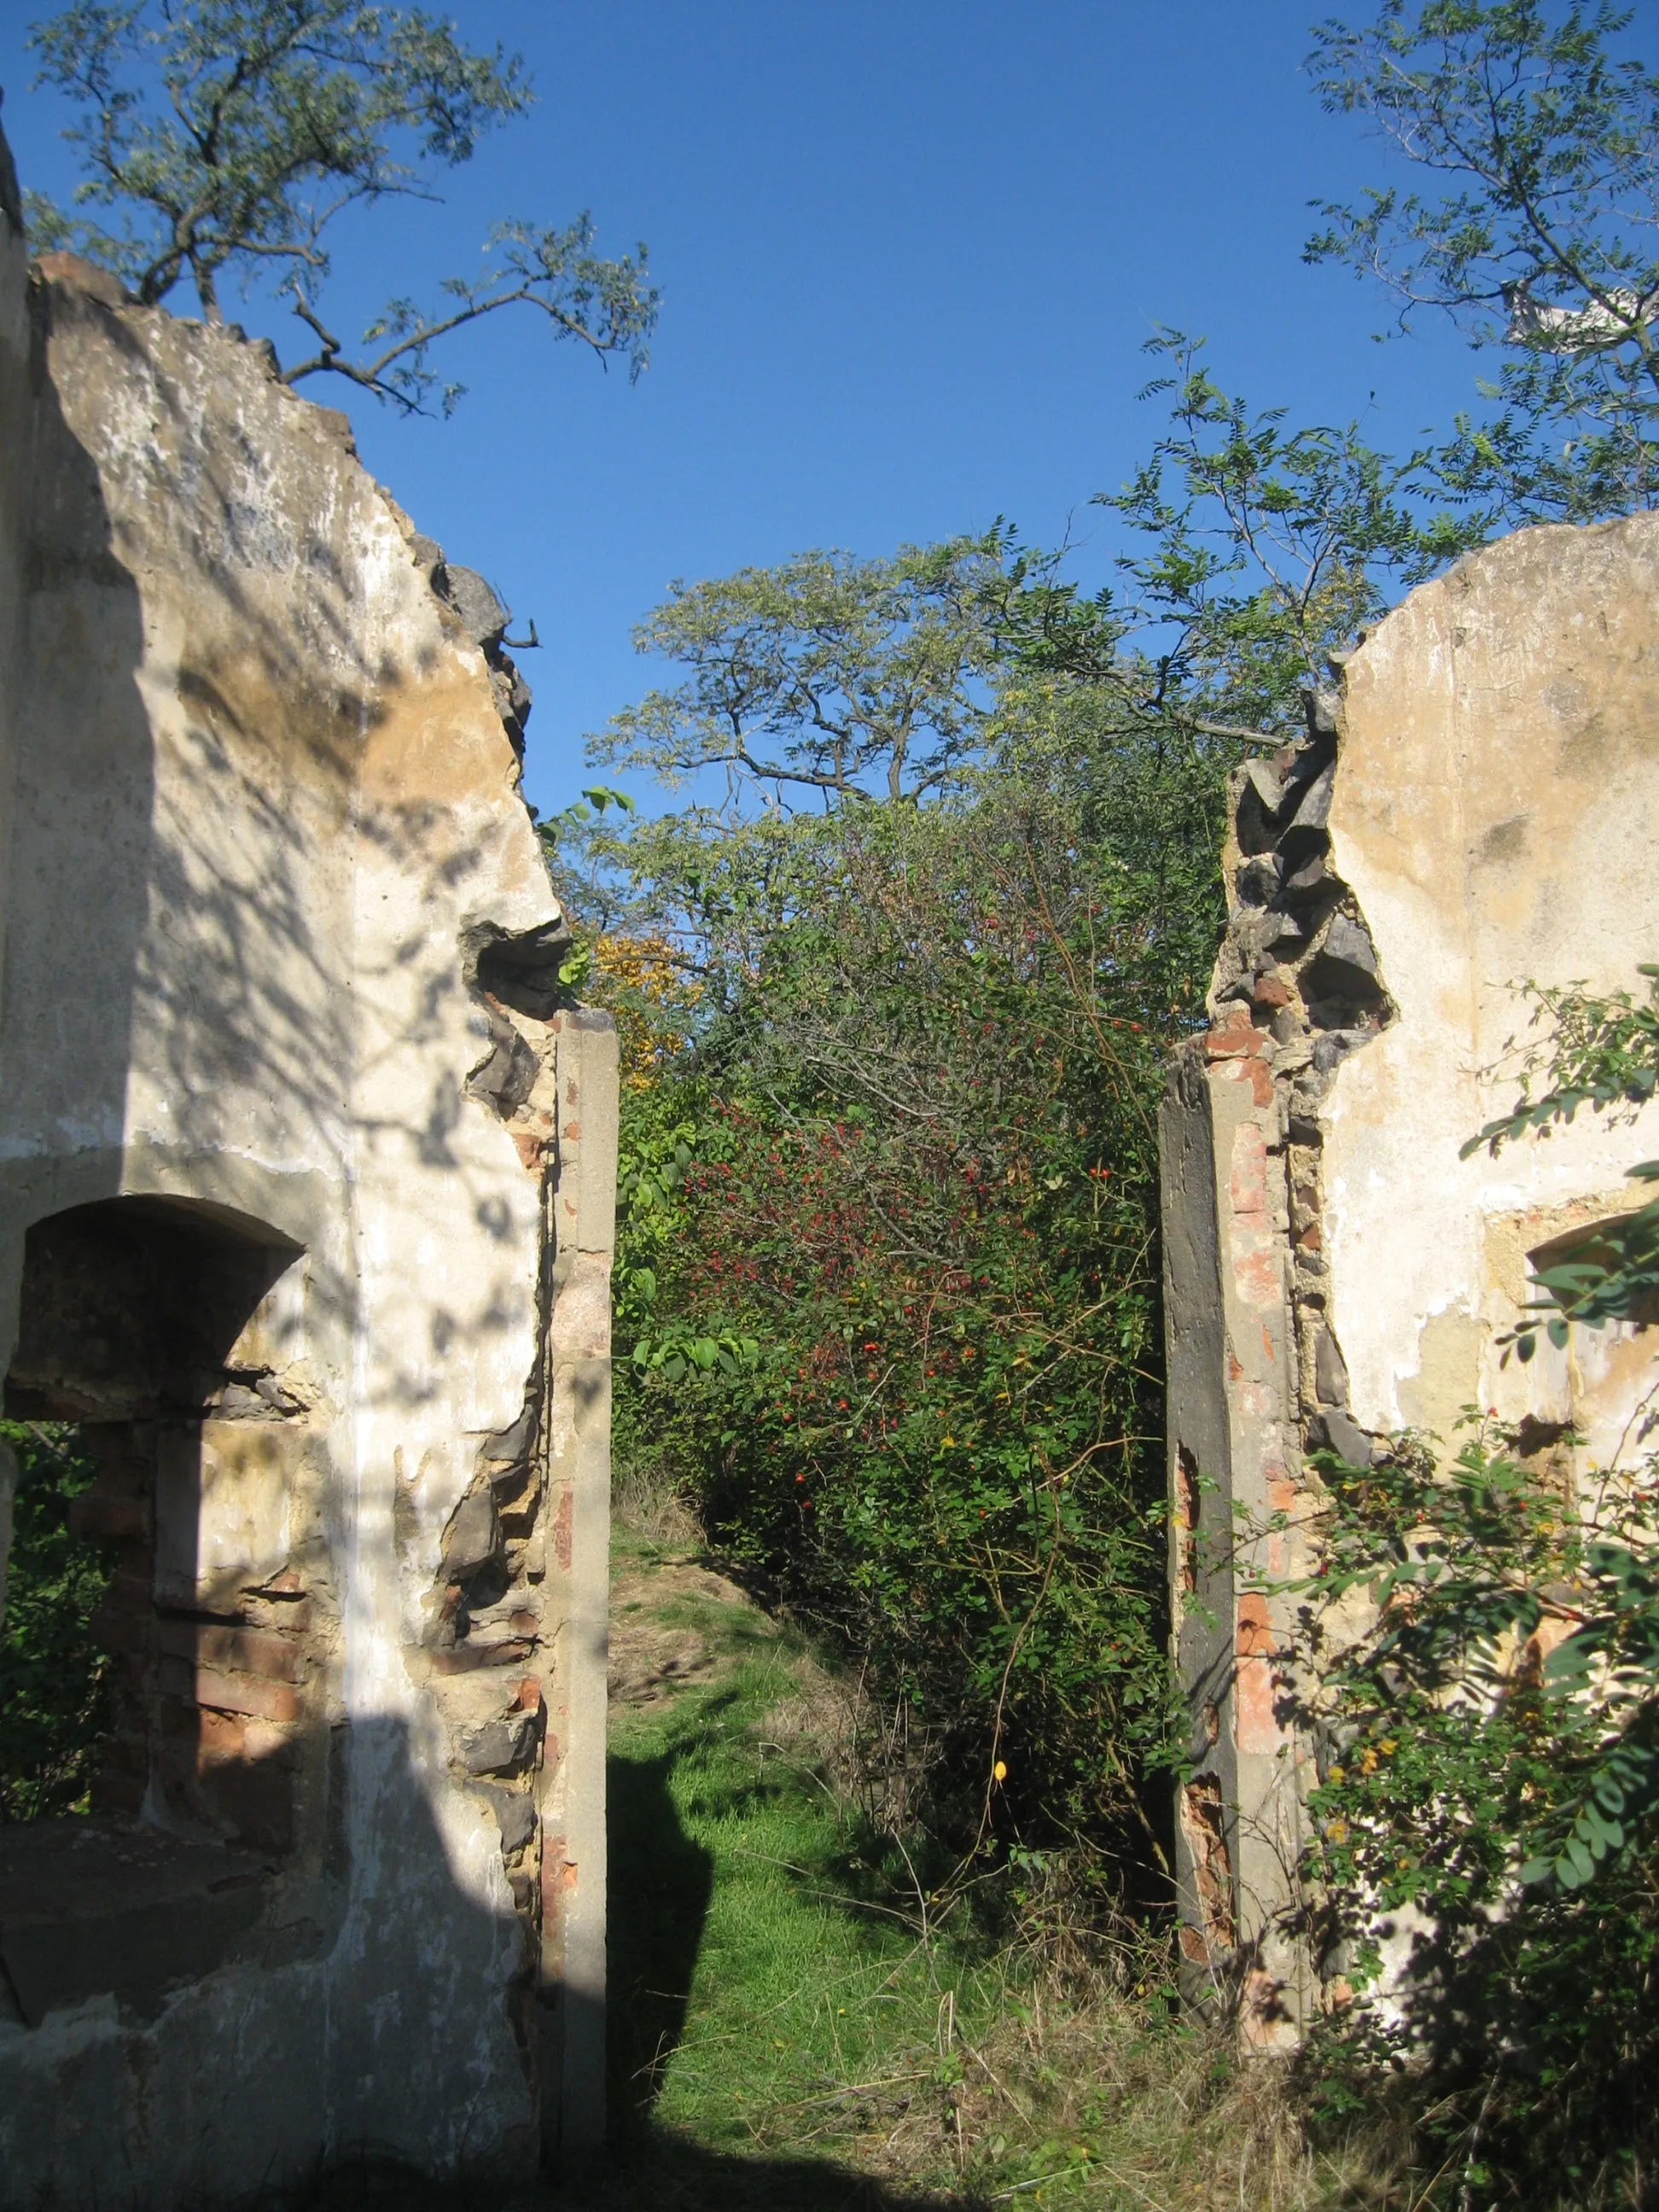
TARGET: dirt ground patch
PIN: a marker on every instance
(667, 1616)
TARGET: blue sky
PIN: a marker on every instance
(909, 253)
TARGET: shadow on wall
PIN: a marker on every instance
(257, 1874)
(180, 917)
(319, 1994)
(257, 1879)
(76, 900)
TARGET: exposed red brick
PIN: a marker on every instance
(241, 1694)
(1254, 1727)
(95, 1513)
(118, 1630)
(1272, 990)
(467, 1658)
(1232, 1043)
(1204, 1827)
(219, 1737)
(292, 1615)
(122, 1472)
(126, 1754)
(1247, 1179)
(118, 1793)
(253, 1800)
(127, 1593)
(529, 1694)
(244, 1650)
(1234, 1037)
(553, 1878)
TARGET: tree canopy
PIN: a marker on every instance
(1543, 240)
(223, 140)
(823, 680)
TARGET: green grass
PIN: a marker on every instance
(796, 1984)
(782, 2032)
(783, 2039)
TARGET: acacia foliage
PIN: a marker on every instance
(1540, 130)
(225, 139)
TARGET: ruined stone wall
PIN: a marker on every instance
(307, 1197)
(1476, 806)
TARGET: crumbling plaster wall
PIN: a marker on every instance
(280, 947)
(1477, 805)
(1495, 816)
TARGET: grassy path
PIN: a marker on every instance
(781, 2033)
(782, 2038)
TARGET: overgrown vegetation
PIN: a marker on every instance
(800, 2019)
(890, 1273)
(895, 984)
(52, 1696)
(1492, 1734)
(888, 1301)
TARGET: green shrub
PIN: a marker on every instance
(52, 1695)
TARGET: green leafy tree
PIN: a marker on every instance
(823, 680)
(1268, 550)
(1543, 240)
(890, 1306)
(1253, 553)
(227, 137)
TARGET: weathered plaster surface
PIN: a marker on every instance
(1477, 808)
(1494, 815)
(265, 813)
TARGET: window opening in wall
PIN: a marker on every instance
(155, 1628)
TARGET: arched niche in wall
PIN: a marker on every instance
(168, 1333)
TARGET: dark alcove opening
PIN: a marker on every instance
(134, 1341)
